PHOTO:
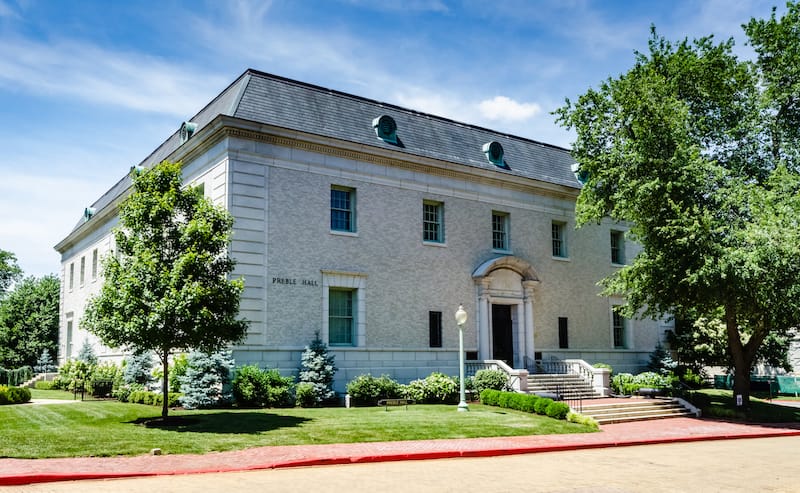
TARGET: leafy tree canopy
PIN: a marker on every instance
(697, 151)
(9, 270)
(167, 288)
(29, 321)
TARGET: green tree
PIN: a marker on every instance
(697, 151)
(29, 321)
(9, 270)
(168, 287)
(317, 369)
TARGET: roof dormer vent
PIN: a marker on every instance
(187, 130)
(580, 175)
(385, 129)
(494, 153)
(88, 213)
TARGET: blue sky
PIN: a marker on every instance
(90, 88)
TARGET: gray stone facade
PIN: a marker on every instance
(277, 182)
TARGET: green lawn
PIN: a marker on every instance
(108, 428)
(720, 403)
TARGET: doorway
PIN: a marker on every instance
(502, 334)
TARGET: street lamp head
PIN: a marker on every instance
(461, 315)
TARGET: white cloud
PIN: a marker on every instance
(36, 212)
(504, 108)
(96, 75)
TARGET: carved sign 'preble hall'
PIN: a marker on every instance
(292, 281)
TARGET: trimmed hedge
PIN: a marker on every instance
(154, 398)
(14, 395)
(528, 403)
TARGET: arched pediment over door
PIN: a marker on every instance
(505, 309)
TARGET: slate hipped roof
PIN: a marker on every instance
(268, 99)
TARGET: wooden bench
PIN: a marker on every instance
(394, 402)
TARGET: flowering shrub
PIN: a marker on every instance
(490, 379)
(436, 388)
(367, 390)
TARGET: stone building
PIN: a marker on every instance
(370, 223)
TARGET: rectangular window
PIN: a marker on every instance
(617, 247)
(71, 275)
(500, 231)
(340, 317)
(68, 343)
(435, 328)
(94, 264)
(83, 269)
(343, 216)
(433, 222)
(559, 239)
(619, 330)
(563, 337)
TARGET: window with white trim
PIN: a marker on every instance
(617, 247)
(83, 270)
(343, 207)
(340, 317)
(433, 221)
(618, 326)
(500, 222)
(343, 308)
(71, 275)
(94, 264)
(559, 237)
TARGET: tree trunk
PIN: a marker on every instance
(165, 385)
(741, 363)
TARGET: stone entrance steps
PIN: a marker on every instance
(569, 386)
(635, 409)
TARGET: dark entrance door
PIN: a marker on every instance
(502, 339)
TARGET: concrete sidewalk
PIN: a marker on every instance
(26, 471)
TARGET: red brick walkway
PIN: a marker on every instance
(23, 471)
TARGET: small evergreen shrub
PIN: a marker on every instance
(367, 390)
(138, 369)
(254, 387)
(317, 368)
(44, 364)
(503, 400)
(14, 395)
(541, 405)
(557, 410)
(154, 398)
(527, 403)
(490, 397)
(305, 395)
(207, 380)
(490, 379)
(86, 353)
